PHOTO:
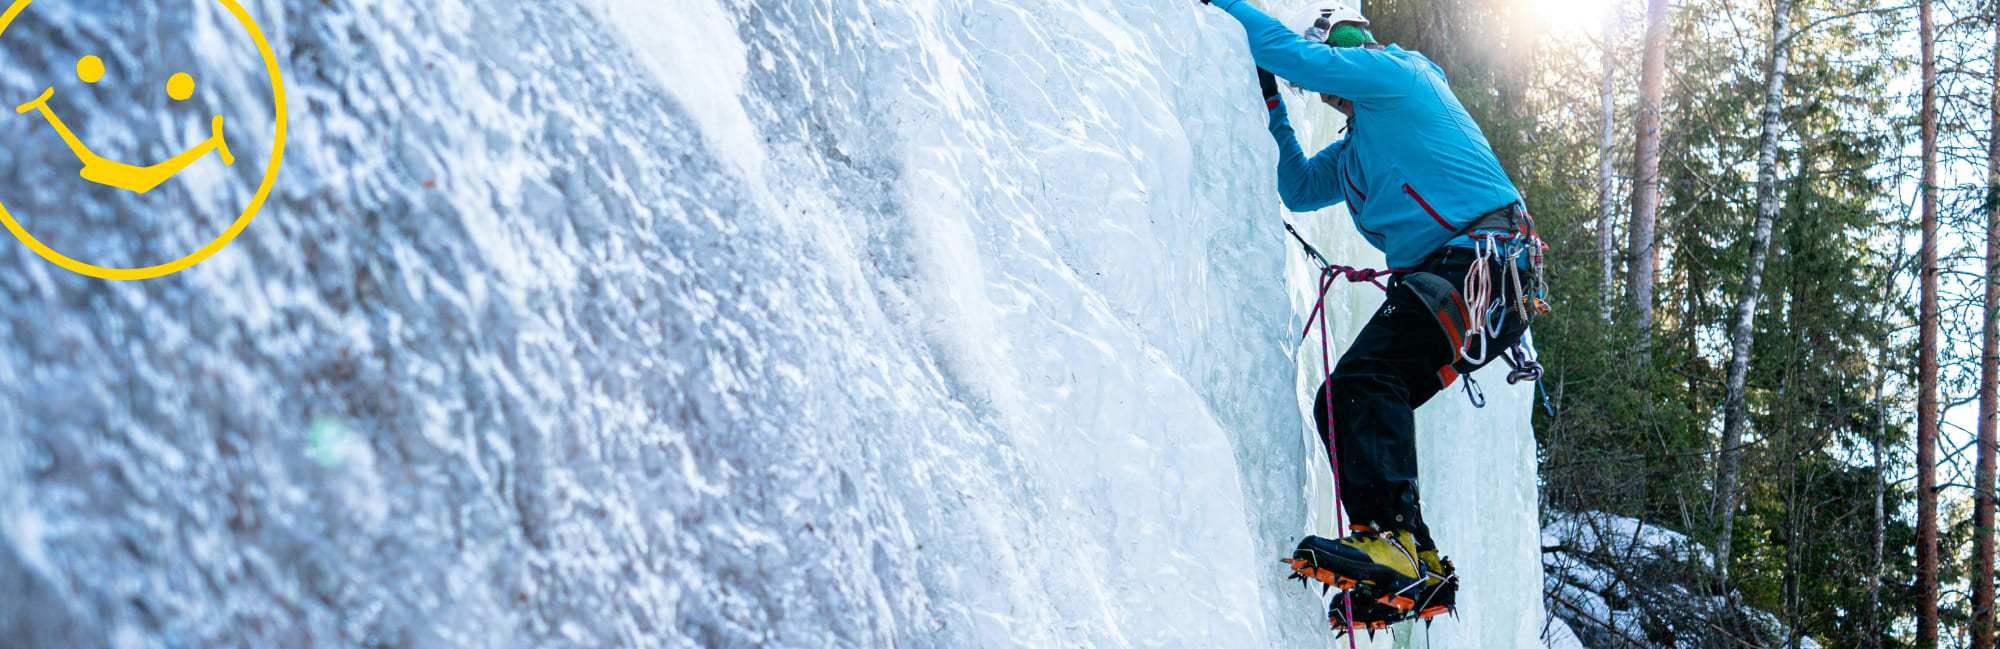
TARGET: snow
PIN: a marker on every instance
(1581, 548)
(707, 323)
(1559, 636)
(1592, 532)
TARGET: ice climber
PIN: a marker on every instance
(1423, 186)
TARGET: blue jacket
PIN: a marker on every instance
(1413, 169)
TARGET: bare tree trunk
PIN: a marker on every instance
(1644, 259)
(1794, 537)
(1441, 29)
(1872, 622)
(1742, 329)
(1872, 625)
(1606, 254)
(1927, 355)
(1989, 396)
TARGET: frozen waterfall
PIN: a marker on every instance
(702, 323)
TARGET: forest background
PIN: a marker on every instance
(1781, 233)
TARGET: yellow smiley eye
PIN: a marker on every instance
(180, 86)
(90, 69)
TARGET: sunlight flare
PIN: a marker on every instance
(1570, 14)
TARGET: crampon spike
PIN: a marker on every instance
(1306, 569)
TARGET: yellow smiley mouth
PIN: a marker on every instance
(124, 176)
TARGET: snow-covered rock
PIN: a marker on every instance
(1620, 583)
(1599, 532)
(1557, 635)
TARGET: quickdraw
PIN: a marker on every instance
(1478, 292)
(1504, 248)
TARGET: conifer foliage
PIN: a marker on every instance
(1766, 405)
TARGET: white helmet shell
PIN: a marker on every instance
(1306, 21)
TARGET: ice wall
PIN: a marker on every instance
(707, 323)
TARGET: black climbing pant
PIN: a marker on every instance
(1392, 367)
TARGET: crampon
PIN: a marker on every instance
(1377, 599)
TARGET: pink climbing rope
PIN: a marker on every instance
(1327, 275)
(1328, 272)
(1351, 274)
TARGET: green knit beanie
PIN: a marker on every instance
(1349, 36)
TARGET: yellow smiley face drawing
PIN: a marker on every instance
(142, 179)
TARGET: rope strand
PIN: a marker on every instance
(1327, 273)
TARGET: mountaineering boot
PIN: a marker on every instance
(1433, 592)
(1365, 608)
(1377, 564)
(1439, 593)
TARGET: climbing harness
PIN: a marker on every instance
(1470, 315)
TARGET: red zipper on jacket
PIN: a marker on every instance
(1427, 207)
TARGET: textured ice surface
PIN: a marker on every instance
(706, 323)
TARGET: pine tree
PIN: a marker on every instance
(1927, 359)
(1643, 247)
(1989, 387)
